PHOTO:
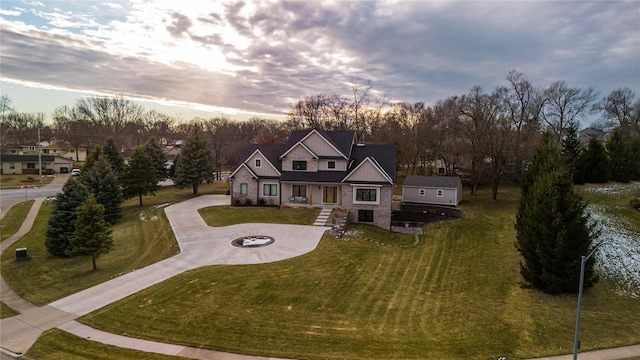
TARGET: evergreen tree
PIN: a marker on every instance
(196, 162)
(596, 162)
(92, 235)
(545, 159)
(63, 217)
(103, 183)
(571, 153)
(621, 160)
(153, 149)
(140, 176)
(93, 157)
(553, 229)
(113, 155)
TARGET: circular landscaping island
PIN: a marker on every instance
(253, 241)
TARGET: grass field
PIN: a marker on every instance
(57, 344)
(143, 236)
(12, 220)
(225, 215)
(16, 181)
(456, 295)
(6, 311)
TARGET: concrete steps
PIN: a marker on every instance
(323, 217)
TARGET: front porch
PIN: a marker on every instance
(320, 195)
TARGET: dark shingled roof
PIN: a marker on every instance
(384, 155)
(432, 181)
(341, 140)
(25, 158)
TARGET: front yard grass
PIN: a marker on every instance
(143, 236)
(57, 344)
(12, 220)
(6, 311)
(16, 181)
(456, 295)
(226, 215)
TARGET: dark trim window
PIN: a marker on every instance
(365, 215)
(270, 190)
(331, 165)
(299, 165)
(440, 193)
(367, 195)
(299, 191)
(244, 189)
(31, 165)
(12, 165)
(422, 192)
(258, 163)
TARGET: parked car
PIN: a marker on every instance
(64, 170)
(75, 172)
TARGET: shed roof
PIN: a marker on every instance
(432, 181)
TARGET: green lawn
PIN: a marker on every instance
(12, 220)
(6, 311)
(143, 236)
(16, 181)
(456, 295)
(225, 215)
(57, 344)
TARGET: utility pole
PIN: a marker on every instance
(576, 340)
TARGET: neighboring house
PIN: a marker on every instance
(586, 134)
(432, 190)
(28, 164)
(319, 169)
(62, 150)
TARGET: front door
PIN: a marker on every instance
(330, 194)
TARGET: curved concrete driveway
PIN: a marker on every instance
(200, 245)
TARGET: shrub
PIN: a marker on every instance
(635, 203)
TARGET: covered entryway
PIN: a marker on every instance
(330, 194)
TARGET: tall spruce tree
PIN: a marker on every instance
(159, 159)
(572, 154)
(63, 217)
(634, 149)
(195, 164)
(553, 228)
(92, 235)
(621, 159)
(140, 175)
(103, 183)
(596, 162)
(113, 155)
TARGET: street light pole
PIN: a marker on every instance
(576, 341)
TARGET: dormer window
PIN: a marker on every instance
(258, 163)
(331, 165)
(299, 165)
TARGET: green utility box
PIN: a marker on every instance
(21, 254)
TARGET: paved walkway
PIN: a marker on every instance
(200, 245)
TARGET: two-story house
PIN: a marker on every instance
(319, 169)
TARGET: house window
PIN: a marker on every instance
(440, 193)
(422, 192)
(299, 165)
(258, 163)
(270, 190)
(31, 165)
(331, 165)
(365, 215)
(367, 195)
(299, 191)
(244, 187)
(12, 166)
(32, 148)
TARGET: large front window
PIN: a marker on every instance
(367, 195)
(270, 190)
(299, 191)
(299, 165)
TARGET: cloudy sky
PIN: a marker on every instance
(243, 58)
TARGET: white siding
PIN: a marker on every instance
(265, 169)
(367, 172)
(320, 146)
